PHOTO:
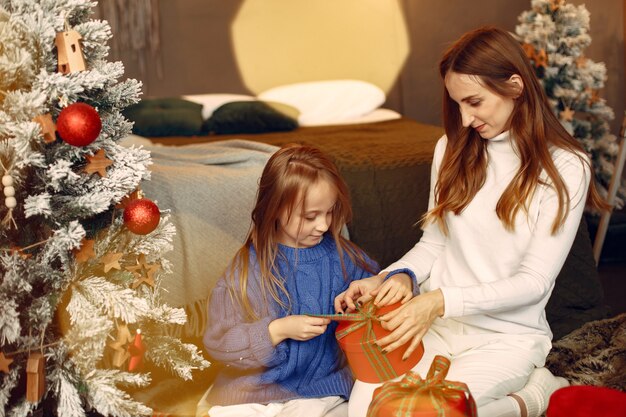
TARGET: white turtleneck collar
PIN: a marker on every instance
(502, 136)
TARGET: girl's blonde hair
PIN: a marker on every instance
(494, 56)
(282, 188)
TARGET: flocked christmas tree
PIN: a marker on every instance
(81, 255)
(554, 35)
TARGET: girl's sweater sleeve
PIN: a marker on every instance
(231, 340)
(422, 256)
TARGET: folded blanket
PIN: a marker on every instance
(210, 189)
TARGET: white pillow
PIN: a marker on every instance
(327, 102)
(210, 102)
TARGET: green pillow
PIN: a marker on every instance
(165, 117)
(251, 117)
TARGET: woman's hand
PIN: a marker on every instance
(296, 327)
(358, 291)
(411, 321)
(399, 287)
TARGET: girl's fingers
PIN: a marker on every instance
(350, 303)
(363, 299)
(390, 298)
(380, 296)
(340, 303)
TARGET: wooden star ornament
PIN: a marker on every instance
(581, 61)
(120, 346)
(567, 114)
(541, 58)
(555, 4)
(595, 97)
(111, 261)
(97, 163)
(4, 363)
(143, 272)
(48, 128)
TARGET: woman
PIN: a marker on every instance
(508, 189)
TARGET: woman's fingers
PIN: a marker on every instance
(401, 338)
(414, 344)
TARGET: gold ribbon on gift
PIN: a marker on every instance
(412, 388)
(365, 316)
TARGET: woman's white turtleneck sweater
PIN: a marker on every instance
(492, 278)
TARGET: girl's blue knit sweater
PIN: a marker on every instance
(257, 372)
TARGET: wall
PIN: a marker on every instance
(198, 58)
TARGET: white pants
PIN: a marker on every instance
(492, 366)
(302, 407)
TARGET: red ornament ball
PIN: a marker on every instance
(141, 216)
(79, 124)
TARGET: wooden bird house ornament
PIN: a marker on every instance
(35, 377)
(70, 54)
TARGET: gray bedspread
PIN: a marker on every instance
(210, 190)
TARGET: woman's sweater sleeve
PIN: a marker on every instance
(543, 258)
(422, 256)
(231, 340)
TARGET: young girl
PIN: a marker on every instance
(508, 189)
(280, 361)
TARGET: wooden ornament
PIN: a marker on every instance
(529, 50)
(555, 5)
(35, 377)
(595, 97)
(70, 54)
(85, 252)
(137, 194)
(48, 128)
(120, 354)
(97, 163)
(541, 58)
(4, 363)
(111, 261)
(143, 272)
(567, 114)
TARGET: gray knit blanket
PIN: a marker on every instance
(210, 190)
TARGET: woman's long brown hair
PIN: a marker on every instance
(282, 188)
(493, 56)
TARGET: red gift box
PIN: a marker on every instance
(430, 397)
(356, 334)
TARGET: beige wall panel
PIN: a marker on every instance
(199, 57)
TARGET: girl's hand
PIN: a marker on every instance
(358, 291)
(411, 321)
(397, 288)
(296, 327)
